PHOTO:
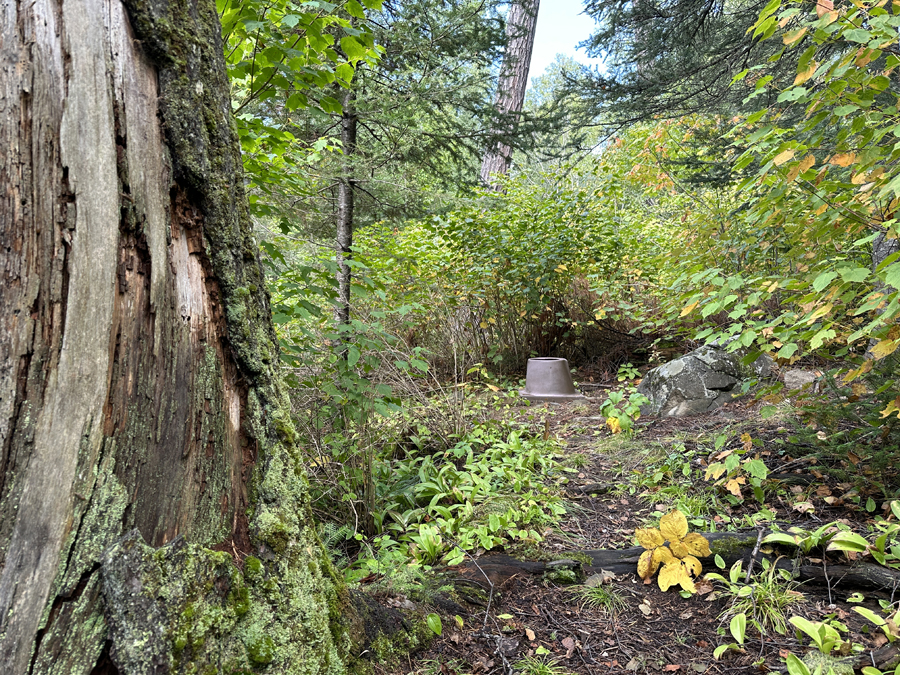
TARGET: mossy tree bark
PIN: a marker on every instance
(145, 442)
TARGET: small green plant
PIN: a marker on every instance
(731, 468)
(821, 537)
(678, 559)
(738, 629)
(602, 597)
(884, 548)
(622, 413)
(887, 625)
(627, 372)
(428, 545)
(833, 650)
(439, 667)
(433, 621)
(764, 599)
(534, 666)
(675, 463)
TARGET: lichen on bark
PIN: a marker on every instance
(297, 611)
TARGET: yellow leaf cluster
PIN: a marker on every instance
(734, 485)
(800, 167)
(843, 159)
(794, 36)
(885, 348)
(804, 75)
(690, 308)
(892, 407)
(679, 560)
(783, 157)
(614, 425)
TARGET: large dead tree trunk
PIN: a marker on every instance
(520, 29)
(139, 405)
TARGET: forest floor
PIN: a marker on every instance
(535, 626)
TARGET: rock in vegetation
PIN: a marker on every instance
(797, 379)
(698, 382)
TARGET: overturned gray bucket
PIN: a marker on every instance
(549, 379)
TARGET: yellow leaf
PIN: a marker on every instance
(892, 407)
(483, 324)
(614, 425)
(645, 568)
(819, 313)
(747, 441)
(714, 471)
(804, 75)
(687, 584)
(649, 538)
(843, 159)
(697, 544)
(831, 17)
(672, 574)
(662, 555)
(859, 178)
(492, 387)
(807, 162)
(793, 36)
(690, 308)
(692, 565)
(823, 7)
(783, 157)
(673, 526)
(865, 56)
(885, 348)
(679, 550)
(734, 486)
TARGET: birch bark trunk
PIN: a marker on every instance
(345, 213)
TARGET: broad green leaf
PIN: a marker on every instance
(808, 627)
(854, 274)
(434, 623)
(847, 541)
(795, 666)
(868, 614)
(823, 280)
(738, 627)
(787, 351)
(352, 48)
(352, 356)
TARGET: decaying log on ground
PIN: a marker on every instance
(497, 570)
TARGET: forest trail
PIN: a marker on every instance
(537, 624)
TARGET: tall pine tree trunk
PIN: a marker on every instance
(153, 516)
(520, 29)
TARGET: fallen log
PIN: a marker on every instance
(496, 570)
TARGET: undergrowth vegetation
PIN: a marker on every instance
(770, 232)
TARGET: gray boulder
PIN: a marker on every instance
(698, 382)
(797, 379)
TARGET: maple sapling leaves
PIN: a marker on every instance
(679, 560)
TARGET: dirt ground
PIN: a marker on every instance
(538, 627)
